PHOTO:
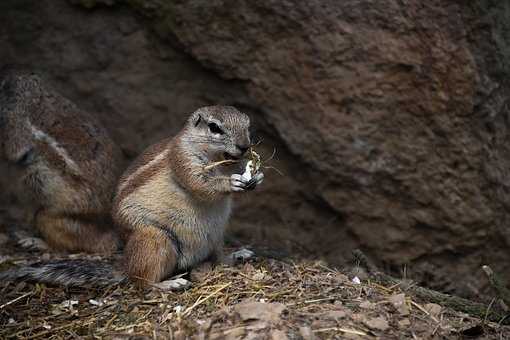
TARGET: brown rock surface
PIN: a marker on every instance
(390, 118)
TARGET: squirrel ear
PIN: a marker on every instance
(197, 119)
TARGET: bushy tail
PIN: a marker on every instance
(66, 273)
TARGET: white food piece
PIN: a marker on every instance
(249, 169)
(246, 176)
(356, 280)
(96, 302)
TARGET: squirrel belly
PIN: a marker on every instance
(195, 229)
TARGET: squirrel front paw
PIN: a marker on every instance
(239, 183)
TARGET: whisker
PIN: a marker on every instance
(257, 143)
(272, 155)
(275, 169)
(204, 140)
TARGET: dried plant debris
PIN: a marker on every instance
(265, 299)
(261, 299)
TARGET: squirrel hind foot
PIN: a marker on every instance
(173, 284)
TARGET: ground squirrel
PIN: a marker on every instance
(171, 208)
(65, 159)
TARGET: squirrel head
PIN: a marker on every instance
(18, 88)
(219, 131)
(20, 93)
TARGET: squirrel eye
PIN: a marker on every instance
(214, 128)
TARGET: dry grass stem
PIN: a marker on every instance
(218, 163)
(424, 311)
(16, 299)
(202, 300)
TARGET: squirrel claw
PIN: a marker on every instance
(239, 184)
(255, 181)
(33, 243)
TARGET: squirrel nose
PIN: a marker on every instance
(243, 148)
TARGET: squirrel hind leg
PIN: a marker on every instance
(74, 235)
(150, 256)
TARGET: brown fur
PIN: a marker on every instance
(74, 163)
(170, 210)
(74, 232)
(149, 255)
(128, 185)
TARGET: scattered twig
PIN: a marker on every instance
(487, 312)
(16, 299)
(202, 300)
(424, 311)
(498, 284)
(46, 332)
(338, 329)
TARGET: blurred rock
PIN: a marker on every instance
(306, 333)
(433, 308)
(399, 302)
(378, 323)
(4, 238)
(269, 312)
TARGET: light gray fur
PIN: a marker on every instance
(66, 273)
(208, 222)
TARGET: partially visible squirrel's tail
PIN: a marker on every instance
(66, 273)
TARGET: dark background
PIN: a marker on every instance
(390, 118)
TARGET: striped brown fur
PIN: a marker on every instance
(129, 181)
(66, 160)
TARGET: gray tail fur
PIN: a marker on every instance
(66, 273)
